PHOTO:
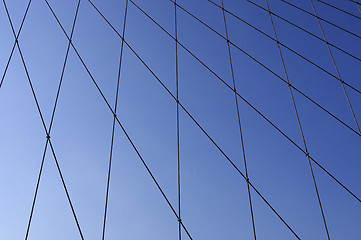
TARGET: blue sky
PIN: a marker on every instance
(214, 200)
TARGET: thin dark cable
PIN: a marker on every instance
(228, 86)
(131, 142)
(115, 114)
(357, 4)
(336, 68)
(43, 122)
(52, 119)
(203, 129)
(322, 19)
(318, 105)
(239, 123)
(343, 87)
(358, 7)
(299, 122)
(292, 24)
(339, 9)
(290, 49)
(191, 118)
(118, 121)
(13, 48)
(180, 44)
(257, 61)
(178, 140)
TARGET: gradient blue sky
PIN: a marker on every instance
(214, 195)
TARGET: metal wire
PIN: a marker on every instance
(114, 120)
(239, 123)
(299, 124)
(45, 129)
(175, 97)
(229, 87)
(322, 19)
(339, 9)
(117, 119)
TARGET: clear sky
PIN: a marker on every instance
(214, 197)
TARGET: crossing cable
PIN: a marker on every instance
(43, 123)
(292, 24)
(185, 110)
(357, 4)
(118, 121)
(293, 51)
(318, 105)
(239, 122)
(339, 9)
(258, 62)
(51, 122)
(299, 122)
(199, 124)
(113, 125)
(336, 68)
(177, 107)
(322, 19)
(15, 40)
(254, 59)
(229, 87)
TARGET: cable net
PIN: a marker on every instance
(175, 119)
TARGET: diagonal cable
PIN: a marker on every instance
(322, 19)
(257, 61)
(114, 120)
(239, 122)
(285, 46)
(228, 86)
(45, 129)
(119, 123)
(134, 147)
(52, 120)
(299, 123)
(292, 24)
(14, 45)
(357, 4)
(339, 9)
(335, 65)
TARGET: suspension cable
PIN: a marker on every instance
(248, 55)
(43, 123)
(114, 120)
(177, 117)
(335, 65)
(14, 45)
(322, 19)
(228, 86)
(296, 26)
(185, 110)
(239, 122)
(299, 123)
(117, 119)
(339, 9)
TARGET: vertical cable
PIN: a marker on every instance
(298, 120)
(177, 100)
(334, 63)
(114, 121)
(239, 122)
